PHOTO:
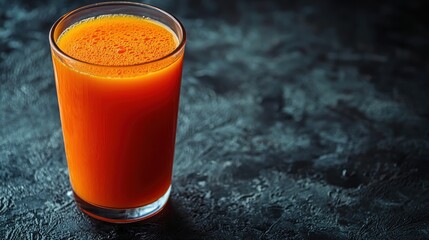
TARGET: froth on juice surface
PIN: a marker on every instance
(119, 134)
(117, 40)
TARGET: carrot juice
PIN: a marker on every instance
(118, 81)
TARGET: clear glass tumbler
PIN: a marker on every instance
(119, 121)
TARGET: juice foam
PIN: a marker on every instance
(117, 40)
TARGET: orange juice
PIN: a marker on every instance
(118, 106)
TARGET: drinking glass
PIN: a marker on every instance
(119, 122)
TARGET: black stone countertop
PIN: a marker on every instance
(298, 120)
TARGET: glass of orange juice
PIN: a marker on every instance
(118, 68)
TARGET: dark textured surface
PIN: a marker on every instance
(302, 120)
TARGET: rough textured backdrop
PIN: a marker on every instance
(302, 120)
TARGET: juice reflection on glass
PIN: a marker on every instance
(118, 81)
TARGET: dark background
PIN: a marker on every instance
(298, 120)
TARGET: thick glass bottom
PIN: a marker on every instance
(118, 215)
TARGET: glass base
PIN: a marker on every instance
(119, 215)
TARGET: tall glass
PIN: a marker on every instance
(119, 130)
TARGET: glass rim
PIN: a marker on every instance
(58, 50)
